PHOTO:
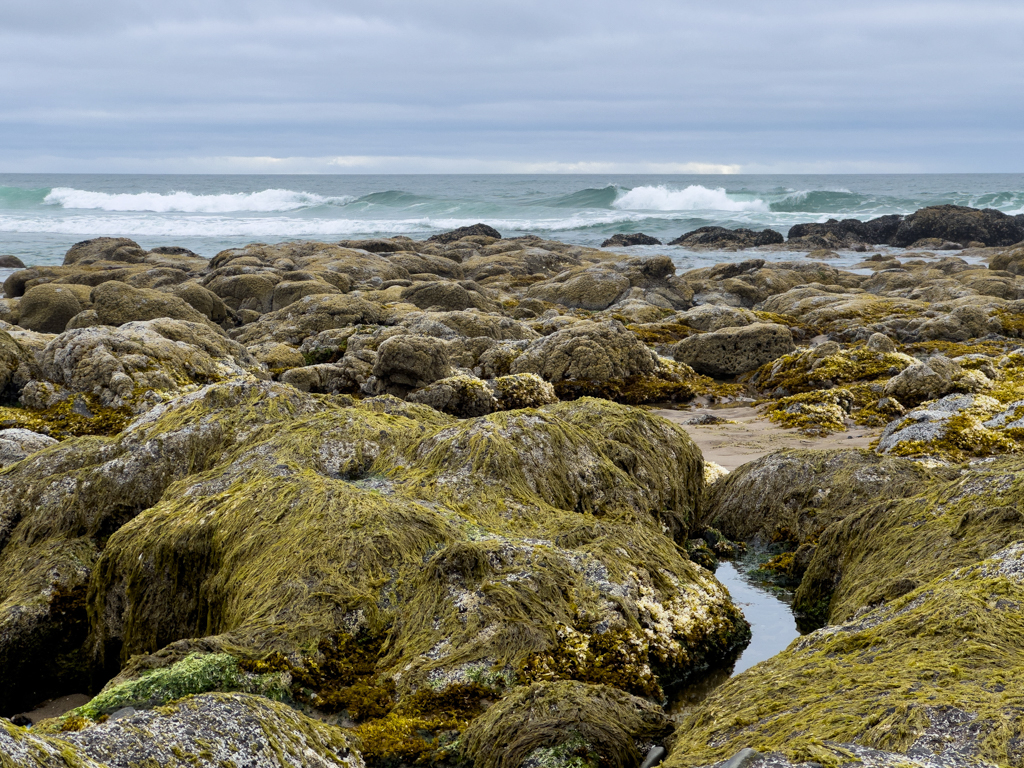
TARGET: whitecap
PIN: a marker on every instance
(266, 201)
(694, 198)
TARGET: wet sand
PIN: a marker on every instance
(56, 707)
(753, 435)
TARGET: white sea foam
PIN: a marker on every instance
(694, 198)
(267, 201)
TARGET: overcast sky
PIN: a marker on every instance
(531, 85)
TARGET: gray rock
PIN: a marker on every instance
(16, 444)
(409, 362)
(587, 351)
(732, 351)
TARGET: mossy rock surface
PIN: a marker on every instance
(885, 548)
(931, 676)
(794, 495)
(349, 556)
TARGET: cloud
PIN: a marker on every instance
(655, 83)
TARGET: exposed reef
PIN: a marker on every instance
(394, 503)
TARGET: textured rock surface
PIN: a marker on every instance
(735, 350)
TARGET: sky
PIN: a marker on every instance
(420, 86)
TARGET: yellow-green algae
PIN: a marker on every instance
(887, 547)
(472, 548)
(555, 722)
(955, 645)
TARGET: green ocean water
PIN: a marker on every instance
(41, 215)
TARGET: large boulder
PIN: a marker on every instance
(922, 680)
(406, 362)
(928, 380)
(208, 731)
(720, 237)
(961, 225)
(457, 234)
(135, 365)
(592, 289)
(462, 396)
(47, 308)
(794, 495)
(587, 351)
(732, 351)
(628, 240)
(310, 316)
(446, 296)
(105, 249)
(117, 303)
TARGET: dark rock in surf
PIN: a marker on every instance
(457, 234)
(720, 237)
(625, 241)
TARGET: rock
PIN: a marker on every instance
(310, 316)
(288, 292)
(522, 390)
(924, 381)
(276, 355)
(16, 444)
(794, 495)
(325, 378)
(822, 253)
(587, 351)
(544, 723)
(1010, 261)
(48, 308)
(204, 301)
(713, 317)
(460, 396)
(445, 296)
(731, 351)
(628, 240)
(426, 264)
(210, 731)
(655, 755)
(408, 362)
(959, 224)
(244, 291)
(879, 342)
(128, 367)
(457, 234)
(117, 303)
(105, 249)
(720, 237)
(954, 427)
(594, 290)
(11, 262)
(845, 711)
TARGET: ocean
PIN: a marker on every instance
(42, 215)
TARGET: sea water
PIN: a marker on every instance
(42, 215)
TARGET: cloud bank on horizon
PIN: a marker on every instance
(309, 86)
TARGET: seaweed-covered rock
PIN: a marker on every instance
(457, 234)
(406, 362)
(794, 495)
(120, 365)
(587, 351)
(47, 308)
(923, 679)
(208, 731)
(462, 396)
(522, 390)
(527, 542)
(627, 240)
(931, 379)
(955, 427)
(720, 237)
(735, 350)
(591, 289)
(948, 523)
(16, 444)
(566, 723)
(116, 303)
(104, 249)
(309, 316)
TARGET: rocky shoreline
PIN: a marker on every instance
(393, 503)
